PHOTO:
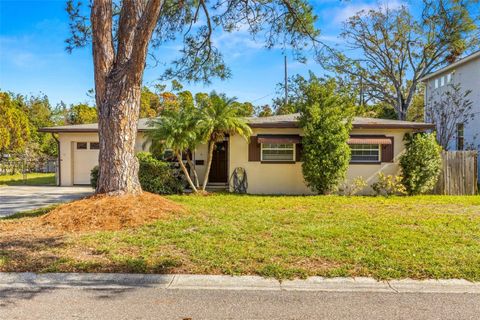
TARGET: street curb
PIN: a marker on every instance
(223, 282)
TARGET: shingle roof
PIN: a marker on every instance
(281, 121)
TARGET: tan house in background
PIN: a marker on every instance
(271, 159)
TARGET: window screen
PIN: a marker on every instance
(278, 152)
(365, 152)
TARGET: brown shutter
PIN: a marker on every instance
(387, 151)
(298, 152)
(253, 149)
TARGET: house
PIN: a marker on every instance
(271, 159)
(466, 73)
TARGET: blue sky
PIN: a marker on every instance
(33, 59)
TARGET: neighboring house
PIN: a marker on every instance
(466, 73)
(271, 158)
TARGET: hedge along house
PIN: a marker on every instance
(271, 159)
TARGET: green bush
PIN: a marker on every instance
(326, 123)
(155, 176)
(94, 177)
(388, 185)
(421, 163)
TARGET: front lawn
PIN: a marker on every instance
(283, 237)
(31, 179)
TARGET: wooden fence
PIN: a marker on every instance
(459, 173)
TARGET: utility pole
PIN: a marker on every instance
(286, 81)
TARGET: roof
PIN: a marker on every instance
(452, 65)
(291, 121)
(282, 121)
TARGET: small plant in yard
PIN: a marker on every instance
(350, 188)
(388, 185)
(155, 176)
(421, 163)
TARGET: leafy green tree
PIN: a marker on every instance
(326, 115)
(14, 127)
(81, 113)
(245, 109)
(178, 130)
(124, 33)
(265, 111)
(421, 163)
(220, 117)
(390, 50)
(149, 103)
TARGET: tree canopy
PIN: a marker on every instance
(390, 50)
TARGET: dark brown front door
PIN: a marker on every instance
(219, 170)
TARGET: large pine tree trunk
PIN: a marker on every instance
(118, 79)
(117, 126)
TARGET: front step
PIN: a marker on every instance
(216, 187)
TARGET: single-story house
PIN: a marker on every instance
(271, 159)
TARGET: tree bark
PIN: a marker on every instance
(118, 79)
(117, 126)
(192, 166)
(211, 145)
(185, 171)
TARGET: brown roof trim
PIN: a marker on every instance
(420, 126)
(274, 125)
(74, 130)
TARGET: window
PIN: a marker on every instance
(436, 83)
(278, 152)
(365, 152)
(442, 81)
(460, 136)
(81, 146)
(449, 78)
(94, 145)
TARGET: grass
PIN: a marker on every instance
(32, 179)
(283, 237)
(30, 213)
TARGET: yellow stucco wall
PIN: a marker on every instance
(272, 178)
(263, 178)
(68, 161)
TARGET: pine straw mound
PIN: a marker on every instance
(98, 213)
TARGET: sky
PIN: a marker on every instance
(33, 59)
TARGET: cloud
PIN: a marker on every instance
(342, 14)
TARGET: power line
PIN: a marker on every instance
(263, 97)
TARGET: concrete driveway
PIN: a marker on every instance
(21, 198)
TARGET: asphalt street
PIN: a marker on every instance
(159, 303)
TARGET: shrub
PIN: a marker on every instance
(421, 163)
(388, 185)
(326, 122)
(155, 176)
(350, 188)
(94, 177)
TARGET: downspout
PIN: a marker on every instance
(59, 167)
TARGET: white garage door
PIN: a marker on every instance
(85, 157)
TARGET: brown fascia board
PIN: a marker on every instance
(272, 125)
(78, 130)
(420, 126)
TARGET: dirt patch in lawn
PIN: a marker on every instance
(103, 212)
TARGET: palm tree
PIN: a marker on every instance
(219, 117)
(177, 130)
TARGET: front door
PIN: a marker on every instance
(219, 169)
